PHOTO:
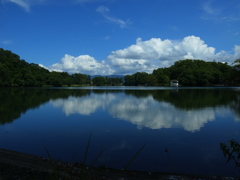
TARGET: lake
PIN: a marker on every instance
(182, 127)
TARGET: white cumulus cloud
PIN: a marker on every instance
(145, 56)
(154, 53)
(84, 64)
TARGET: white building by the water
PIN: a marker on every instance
(174, 83)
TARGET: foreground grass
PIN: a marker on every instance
(82, 171)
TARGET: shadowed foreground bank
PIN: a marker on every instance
(21, 166)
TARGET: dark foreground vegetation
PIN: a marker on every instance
(21, 166)
(17, 72)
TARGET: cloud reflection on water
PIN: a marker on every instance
(155, 115)
(143, 112)
(85, 105)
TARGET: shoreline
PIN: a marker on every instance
(17, 165)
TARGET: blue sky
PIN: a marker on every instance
(119, 36)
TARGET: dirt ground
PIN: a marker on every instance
(21, 166)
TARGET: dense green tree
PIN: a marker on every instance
(236, 73)
(129, 80)
(89, 79)
(80, 79)
(190, 73)
(161, 76)
(198, 72)
(5, 75)
(99, 81)
(113, 80)
(236, 64)
(151, 80)
(17, 72)
(140, 78)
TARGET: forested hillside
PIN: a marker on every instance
(17, 72)
(190, 73)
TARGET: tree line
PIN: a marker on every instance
(17, 72)
(190, 72)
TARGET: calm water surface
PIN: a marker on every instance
(188, 122)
